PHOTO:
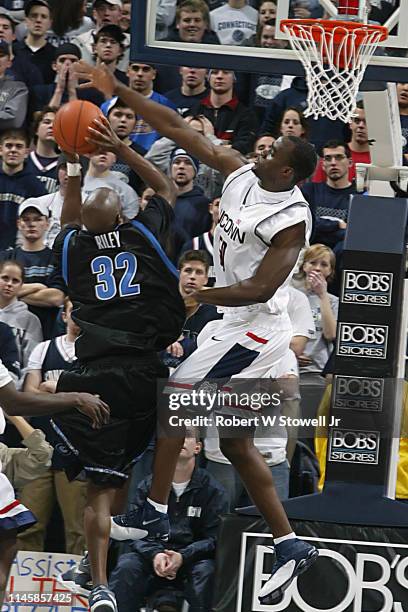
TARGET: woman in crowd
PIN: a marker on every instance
(317, 270)
(25, 325)
(293, 123)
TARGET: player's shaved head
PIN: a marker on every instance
(101, 211)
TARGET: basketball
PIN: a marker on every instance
(71, 125)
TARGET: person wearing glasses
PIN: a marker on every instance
(329, 200)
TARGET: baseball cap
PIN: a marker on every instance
(32, 3)
(68, 49)
(183, 153)
(113, 2)
(4, 13)
(34, 203)
(4, 48)
(110, 30)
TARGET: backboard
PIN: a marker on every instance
(389, 64)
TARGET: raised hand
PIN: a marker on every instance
(102, 135)
(94, 408)
(98, 77)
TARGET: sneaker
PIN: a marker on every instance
(102, 599)
(293, 557)
(78, 578)
(142, 522)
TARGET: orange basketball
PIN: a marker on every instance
(71, 125)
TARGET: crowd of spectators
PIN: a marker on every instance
(39, 42)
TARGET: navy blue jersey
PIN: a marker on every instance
(123, 286)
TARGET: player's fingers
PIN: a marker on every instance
(85, 85)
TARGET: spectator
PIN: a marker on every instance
(263, 146)
(65, 87)
(234, 22)
(52, 202)
(42, 160)
(13, 94)
(191, 209)
(42, 290)
(26, 326)
(402, 93)
(293, 123)
(165, 14)
(141, 78)
(205, 242)
(100, 175)
(126, 17)
(123, 122)
(193, 24)
(321, 130)
(22, 465)
(35, 49)
(47, 361)
(193, 89)
(266, 11)
(19, 69)
(17, 183)
(333, 196)
(359, 145)
(105, 12)
(233, 122)
(194, 267)
(15, 8)
(263, 87)
(196, 502)
(69, 20)
(109, 48)
(317, 270)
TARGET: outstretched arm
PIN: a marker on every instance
(102, 135)
(166, 121)
(15, 403)
(275, 267)
(71, 208)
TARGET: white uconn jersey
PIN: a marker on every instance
(249, 218)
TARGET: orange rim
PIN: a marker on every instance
(339, 30)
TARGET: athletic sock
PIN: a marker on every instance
(289, 536)
(159, 507)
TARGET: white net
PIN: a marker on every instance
(335, 60)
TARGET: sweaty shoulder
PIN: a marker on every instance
(157, 216)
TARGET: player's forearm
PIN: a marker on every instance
(150, 174)
(165, 120)
(71, 208)
(244, 293)
(36, 404)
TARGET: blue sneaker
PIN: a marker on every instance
(102, 599)
(142, 522)
(78, 579)
(293, 557)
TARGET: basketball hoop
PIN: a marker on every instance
(334, 55)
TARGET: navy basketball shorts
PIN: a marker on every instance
(128, 384)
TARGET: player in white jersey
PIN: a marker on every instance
(264, 223)
(13, 515)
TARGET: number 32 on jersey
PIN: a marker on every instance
(107, 285)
